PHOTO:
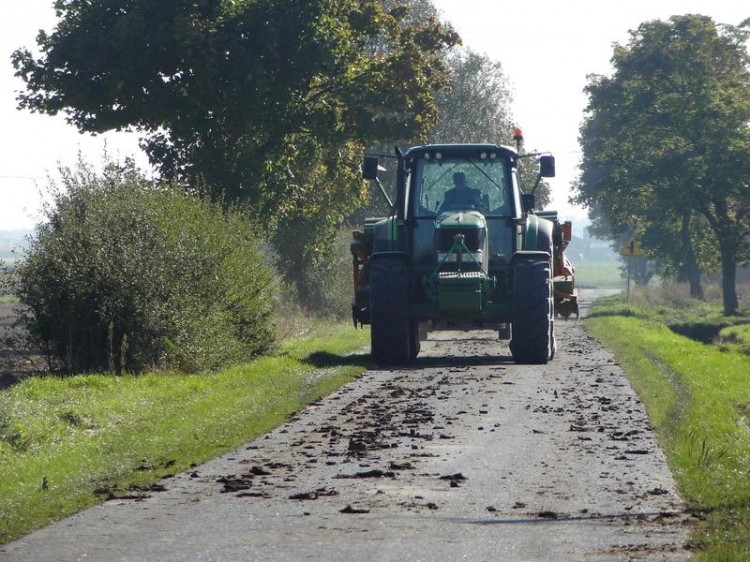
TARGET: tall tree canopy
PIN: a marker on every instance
(254, 97)
(666, 139)
(475, 107)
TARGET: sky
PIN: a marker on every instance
(547, 49)
(32, 146)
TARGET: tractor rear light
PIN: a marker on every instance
(567, 231)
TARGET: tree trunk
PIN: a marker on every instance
(728, 235)
(728, 248)
(689, 270)
(693, 274)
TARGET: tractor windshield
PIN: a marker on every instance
(460, 184)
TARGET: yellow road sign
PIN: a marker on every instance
(631, 248)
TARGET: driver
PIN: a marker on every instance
(462, 195)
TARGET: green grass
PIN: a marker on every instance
(736, 338)
(698, 398)
(602, 275)
(66, 443)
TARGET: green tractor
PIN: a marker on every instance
(461, 249)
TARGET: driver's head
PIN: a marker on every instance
(459, 179)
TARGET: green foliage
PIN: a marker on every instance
(321, 272)
(267, 102)
(312, 257)
(125, 274)
(14, 437)
(665, 143)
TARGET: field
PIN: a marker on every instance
(600, 275)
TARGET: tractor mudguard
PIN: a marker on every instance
(537, 234)
(386, 236)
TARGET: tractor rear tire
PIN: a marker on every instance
(533, 339)
(415, 344)
(392, 335)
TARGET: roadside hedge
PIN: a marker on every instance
(125, 275)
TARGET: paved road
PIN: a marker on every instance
(464, 456)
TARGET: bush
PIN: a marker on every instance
(317, 269)
(127, 275)
(327, 278)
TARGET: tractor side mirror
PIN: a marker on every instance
(370, 168)
(547, 166)
(528, 201)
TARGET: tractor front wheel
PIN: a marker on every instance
(392, 335)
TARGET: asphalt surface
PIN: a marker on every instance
(462, 456)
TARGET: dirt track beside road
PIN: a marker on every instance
(463, 455)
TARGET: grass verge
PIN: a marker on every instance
(698, 399)
(67, 443)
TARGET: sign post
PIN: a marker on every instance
(630, 250)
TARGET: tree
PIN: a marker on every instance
(226, 90)
(665, 140)
(475, 107)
